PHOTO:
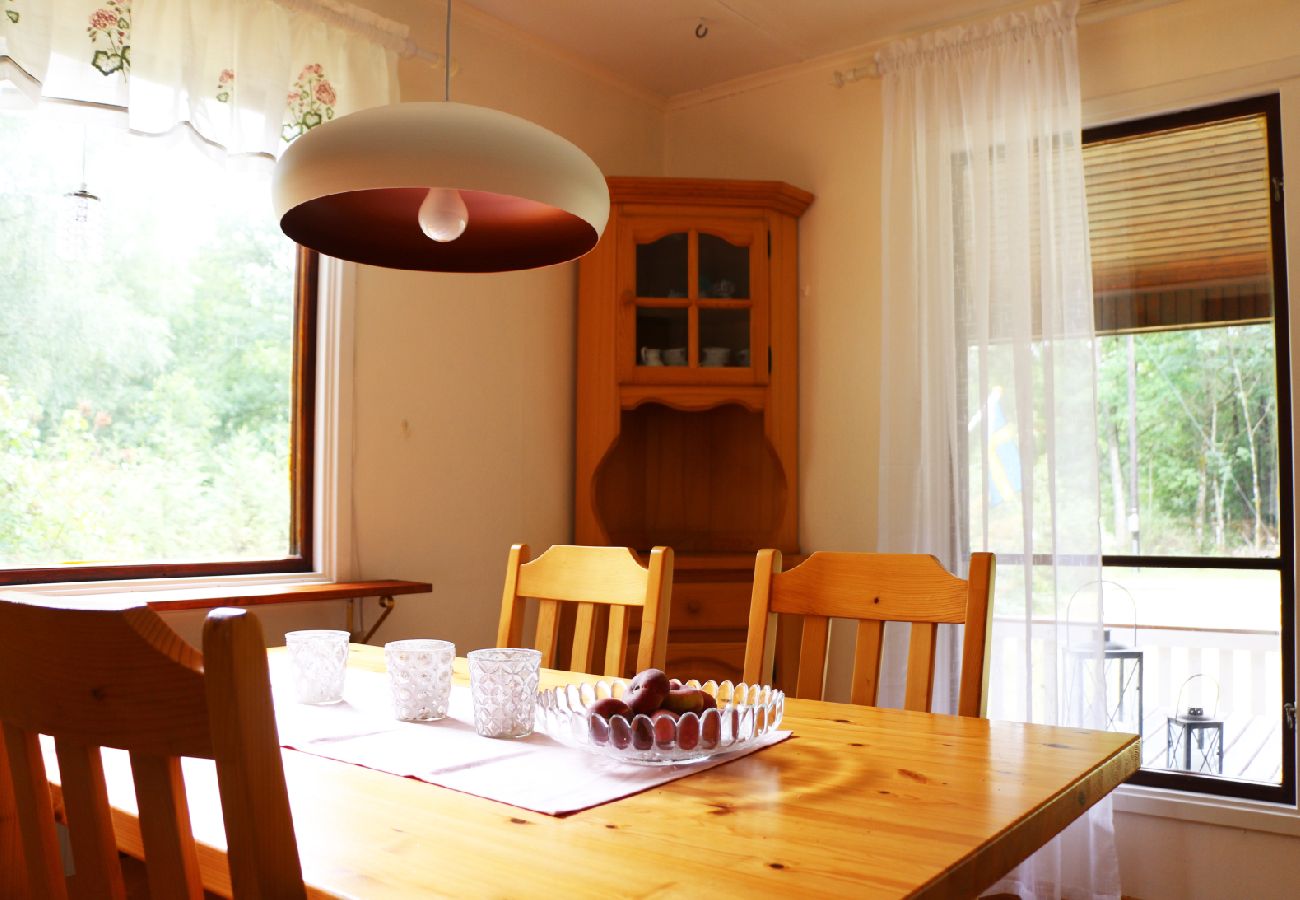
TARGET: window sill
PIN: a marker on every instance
(233, 583)
(1204, 809)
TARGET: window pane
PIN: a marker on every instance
(1195, 639)
(1180, 237)
(146, 320)
(1202, 477)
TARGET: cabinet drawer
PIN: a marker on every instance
(710, 605)
(717, 661)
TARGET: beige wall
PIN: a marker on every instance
(804, 130)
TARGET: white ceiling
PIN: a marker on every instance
(652, 44)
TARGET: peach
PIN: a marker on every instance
(647, 691)
(606, 707)
(688, 731)
(685, 700)
(665, 727)
(643, 735)
(710, 729)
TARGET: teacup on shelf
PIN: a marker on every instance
(714, 356)
(675, 356)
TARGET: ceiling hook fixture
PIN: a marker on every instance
(702, 29)
(440, 187)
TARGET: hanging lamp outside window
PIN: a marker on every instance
(440, 187)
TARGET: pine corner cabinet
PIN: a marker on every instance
(687, 395)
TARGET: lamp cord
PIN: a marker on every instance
(446, 59)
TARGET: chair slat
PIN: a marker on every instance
(13, 871)
(979, 627)
(866, 662)
(90, 821)
(652, 650)
(758, 661)
(812, 657)
(510, 627)
(35, 814)
(548, 630)
(165, 828)
(616, 642)
(263, 850)
(920, 666)
(584, 627)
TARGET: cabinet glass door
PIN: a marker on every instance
(697, 304)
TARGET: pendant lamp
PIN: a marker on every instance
(440, 187)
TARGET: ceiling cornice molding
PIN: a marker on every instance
(860, 57)
(495, 27)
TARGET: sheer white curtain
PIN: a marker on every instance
(987, 416)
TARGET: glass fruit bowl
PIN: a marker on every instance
(744, 712)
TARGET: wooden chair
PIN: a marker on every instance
(93, 678)
(587, 577)
(874, 588)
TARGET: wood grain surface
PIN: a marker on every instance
(862, 802)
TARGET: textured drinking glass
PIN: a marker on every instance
(419, 672)
(320, 659)
(504, 685)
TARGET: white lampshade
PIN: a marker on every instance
(352, 188)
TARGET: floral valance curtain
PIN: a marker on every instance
(246, 75)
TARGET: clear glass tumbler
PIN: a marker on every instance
(419, 672)
(320, 660)
(504, 685)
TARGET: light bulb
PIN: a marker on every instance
(443, 215)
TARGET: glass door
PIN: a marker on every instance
(697, 301)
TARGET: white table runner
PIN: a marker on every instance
(536, 773)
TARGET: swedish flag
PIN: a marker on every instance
(1003, 453)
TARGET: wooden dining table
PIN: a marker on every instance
(860, 802)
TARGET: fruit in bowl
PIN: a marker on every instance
(654, 720)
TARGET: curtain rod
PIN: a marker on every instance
(387, 33)
(1089, 11)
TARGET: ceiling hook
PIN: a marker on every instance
(702, 29)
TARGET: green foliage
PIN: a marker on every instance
(145, 378)
(1205, 408)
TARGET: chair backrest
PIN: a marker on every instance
(588, 577)
(874, 588)
(120, 678)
